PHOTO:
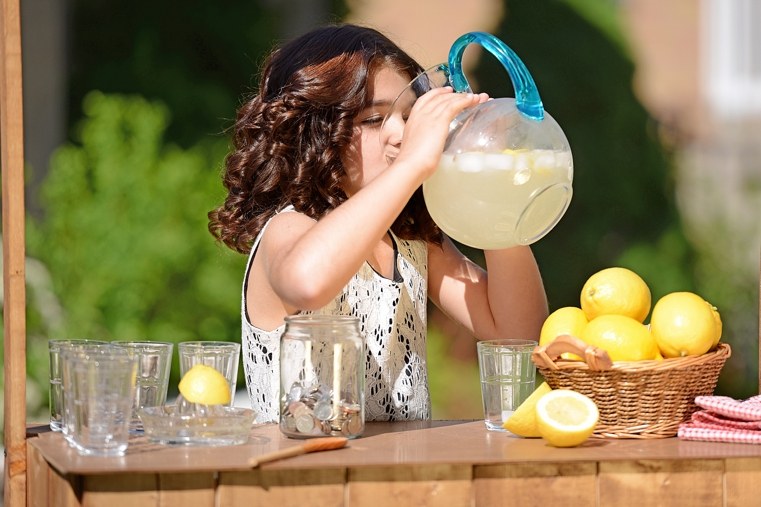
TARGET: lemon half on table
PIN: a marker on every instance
(566, 418)
(523, 420)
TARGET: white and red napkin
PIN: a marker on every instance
(724, 419)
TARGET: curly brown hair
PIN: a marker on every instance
(288, 139)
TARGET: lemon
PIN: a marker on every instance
(204, 385)
(567, 320)
(717, 321)
(683, 324)
(624, 338)
(523, 420)
(616, 290)
(566, 418)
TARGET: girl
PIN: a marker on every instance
(329, 208)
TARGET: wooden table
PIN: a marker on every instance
(447, 463)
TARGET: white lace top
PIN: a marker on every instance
(392, 315)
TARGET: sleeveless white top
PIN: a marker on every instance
(392, 317)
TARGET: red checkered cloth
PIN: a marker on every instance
(748, 410)
(724, 420)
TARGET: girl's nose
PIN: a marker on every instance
(393, 130)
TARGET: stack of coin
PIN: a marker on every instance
(310, 411)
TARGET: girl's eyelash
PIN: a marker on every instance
(372, 120)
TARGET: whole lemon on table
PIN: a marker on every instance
(523, 420)
(205, 385)
(566, 418)
(622, 337)
(618, 291)
(567, 320)
(684, 324)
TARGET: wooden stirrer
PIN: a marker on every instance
(312, 445)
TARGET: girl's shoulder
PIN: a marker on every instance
(284, 224)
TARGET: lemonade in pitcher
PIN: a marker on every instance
(506, 172)
(497, 200)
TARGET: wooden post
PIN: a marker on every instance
(14, 290)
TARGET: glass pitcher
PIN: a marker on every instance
(505, 177)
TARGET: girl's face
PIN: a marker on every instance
(372, 150)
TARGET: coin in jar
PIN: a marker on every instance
(305, 423)
(323, 410)
(298, 409)
(289, 422)
(354, 425)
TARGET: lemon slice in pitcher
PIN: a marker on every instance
(204, 385)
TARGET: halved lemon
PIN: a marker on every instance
(205, 385)
(566, 418)
(523, 420)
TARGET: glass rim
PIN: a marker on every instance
(74, 341)
(201, 344)
(141, 343)
(320, 318)
(507, 342)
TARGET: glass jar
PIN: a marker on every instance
(322, 377)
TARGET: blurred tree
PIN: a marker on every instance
(197, 57)
(124, 231)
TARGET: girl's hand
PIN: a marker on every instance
(427, 127)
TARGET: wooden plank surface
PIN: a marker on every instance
(294, 488)
(742, 478)
(441, 442)
(37, 478)
(649, 482)
(537, 484)
(149, 490)
(664, 482)
(14, 290)
(424, 486)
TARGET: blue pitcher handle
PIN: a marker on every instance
(527, 99)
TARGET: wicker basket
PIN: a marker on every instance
(636, 399)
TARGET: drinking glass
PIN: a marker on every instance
(222, 356)
(100, 388)
(154, 363)
(507, 378)
(56, 381)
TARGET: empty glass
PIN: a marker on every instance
(56, 376)
(154, 362)
(100, 387)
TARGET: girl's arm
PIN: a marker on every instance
(306, 263)
(507, 300)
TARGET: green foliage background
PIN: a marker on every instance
(121, 249)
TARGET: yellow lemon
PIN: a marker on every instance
(204, 385)
(523, 420)
(717, 321)
(683, 324)
(616, 290)
(566, 418)
(567, 320)
(624, 338)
